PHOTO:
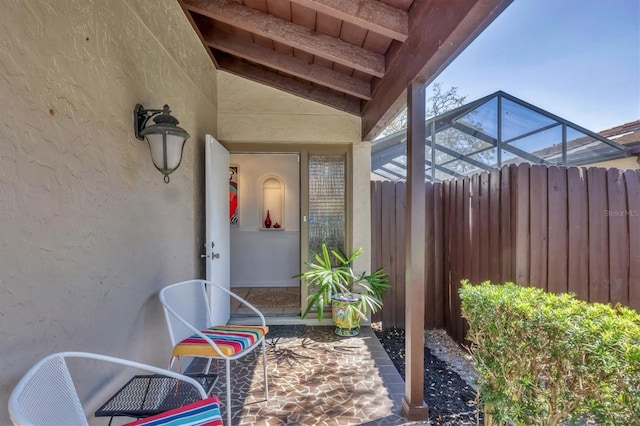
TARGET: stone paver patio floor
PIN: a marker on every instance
(316, 378)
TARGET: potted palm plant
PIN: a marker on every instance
(351, 295)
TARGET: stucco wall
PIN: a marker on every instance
(89, 231)
(622, 163)
(252, 112)
(361, 206)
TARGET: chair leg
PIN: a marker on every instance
(206, 370)
(228, 365)
(264, 364)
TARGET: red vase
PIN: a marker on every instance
(267, 221)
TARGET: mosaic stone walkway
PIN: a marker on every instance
(317, 378)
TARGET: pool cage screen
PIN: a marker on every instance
(490, 133)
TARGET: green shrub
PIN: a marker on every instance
(548, 359)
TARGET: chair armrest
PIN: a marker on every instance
(140, 366)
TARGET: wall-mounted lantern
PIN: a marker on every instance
(166, 140)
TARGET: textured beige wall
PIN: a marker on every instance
(89, 231)
(361, 206)
(252, 112)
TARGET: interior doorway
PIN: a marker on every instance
(264, 194)
(276, 301)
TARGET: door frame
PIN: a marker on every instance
(304, 150)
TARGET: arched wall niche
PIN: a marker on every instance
(272, 194)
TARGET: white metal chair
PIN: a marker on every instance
(188, 315)
(46, 394)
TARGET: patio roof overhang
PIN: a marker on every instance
(355, 56)
(492, 132)
(369, 58)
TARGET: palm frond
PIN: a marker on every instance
(328, 279)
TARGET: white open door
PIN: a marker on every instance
(217, 226)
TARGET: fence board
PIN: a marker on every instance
(494, 249)
(458, 270)
(538, 228)
(473, 250)
(438, 255)
(466, 250)
(450, 261)
(618, 243)
(448, 194)
(507, 225)
(429, 314)
(401, 261)
(388, 261)
(484, 252)
(376, 227)
(522, 257)
(632, 180)
(558, 226)
(578, 215)
(382, 236)
(598, 236)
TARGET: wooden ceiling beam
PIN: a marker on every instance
(288, 84)
(438, 31)
(196, 28)
(288, 64)
(290, 34)
(370, 14)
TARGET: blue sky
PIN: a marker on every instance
(578, 59)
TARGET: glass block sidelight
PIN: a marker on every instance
(327, 191)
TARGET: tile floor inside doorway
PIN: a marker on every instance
(316, 378)
(269, 300)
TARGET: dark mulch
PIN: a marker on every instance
(450, 399)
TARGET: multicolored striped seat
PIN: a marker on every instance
(201, 413)
(231, 340)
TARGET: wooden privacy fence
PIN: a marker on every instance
(560, 229)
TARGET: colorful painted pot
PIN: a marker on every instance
(347, 321)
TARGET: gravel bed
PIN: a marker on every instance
(449, 388)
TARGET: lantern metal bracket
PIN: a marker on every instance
(141, 116)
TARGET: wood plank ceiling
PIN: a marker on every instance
(354, 55)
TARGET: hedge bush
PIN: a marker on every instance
(549, 359)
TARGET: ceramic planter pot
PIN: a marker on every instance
(347, 323)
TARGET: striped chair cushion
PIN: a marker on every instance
(231, 339)
(201, 413)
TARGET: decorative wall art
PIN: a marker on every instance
(233, 196)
